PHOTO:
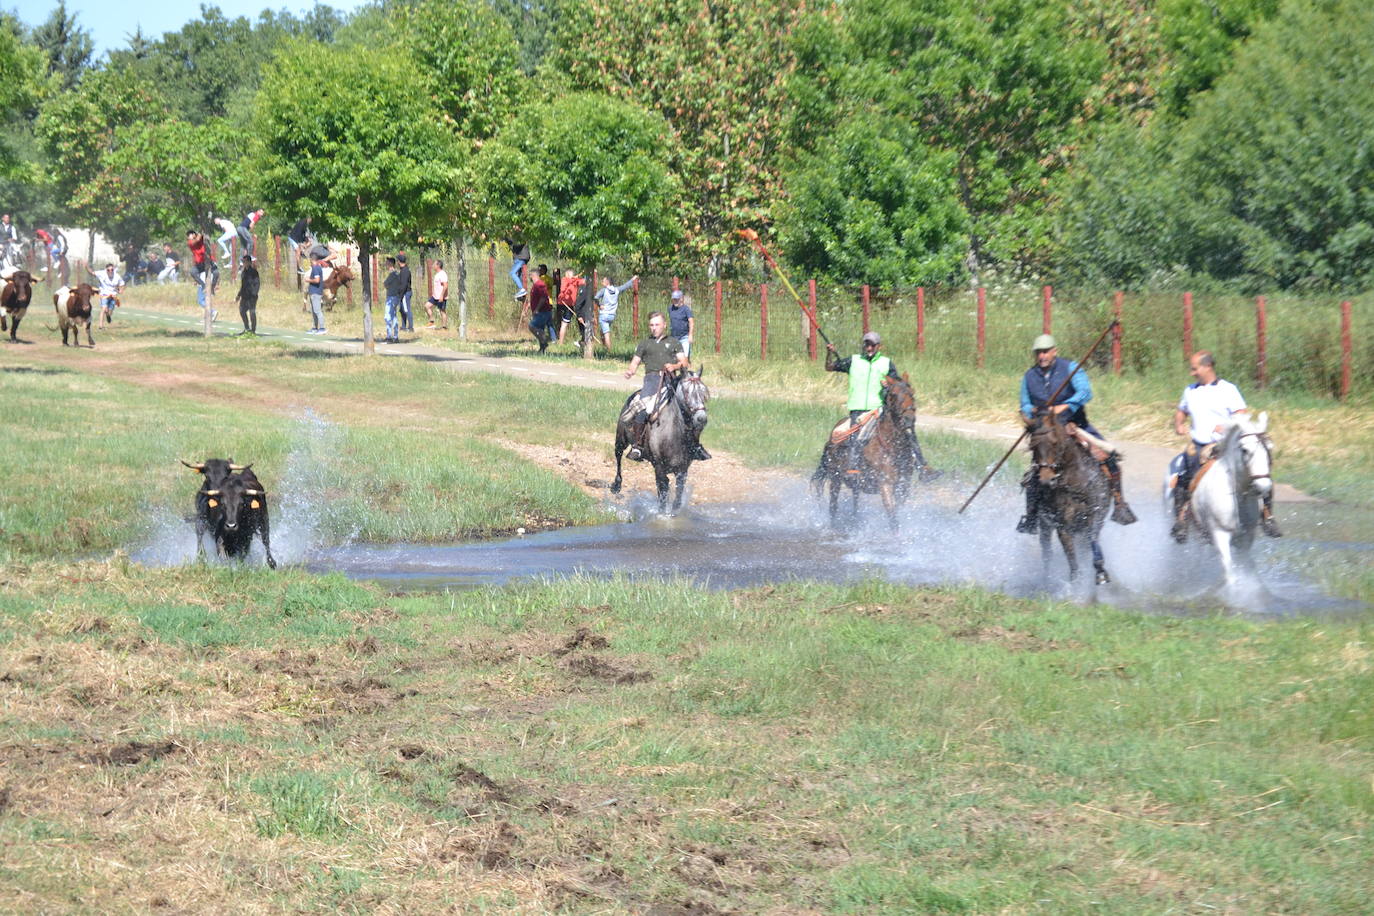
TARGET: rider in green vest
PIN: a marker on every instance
(866, 371)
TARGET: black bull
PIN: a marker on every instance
(231, 505)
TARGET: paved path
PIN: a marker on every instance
(1143, 465)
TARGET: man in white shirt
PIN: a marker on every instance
(110, 284)
(438, 294)
(1207, 408)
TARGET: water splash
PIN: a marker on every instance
(298, 516)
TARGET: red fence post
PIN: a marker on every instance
(674, 284)
(920, 319)
(865, 308)
(276, 260)
(491, 287)
(1046, 298)
(982, 325)
(1345, 349)
(763, 321)
(1187, 326)
(811, 325)
(1261, 343)
(1116, 332)
(718, 315)
(634, 310)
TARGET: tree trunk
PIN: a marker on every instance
(461, 246)
(365, 264)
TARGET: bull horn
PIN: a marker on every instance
(247, 492)
(236, 468)
(212, 492)
(194, 467)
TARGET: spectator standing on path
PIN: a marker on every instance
(407, 291)
(519, 257)
(249, 286)
(246, 233)
(203, 270)
(315, 290)
(227, 233)
(9, 235)
(609, 300)
(110, 285)
(568, 289)
(169, 264)
(393, 286)
(541, 319)
(682, 323)
(438, 295)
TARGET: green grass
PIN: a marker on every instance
(863, 748)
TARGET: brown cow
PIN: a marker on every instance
(74, 312)
(338, 276)
(14, 300)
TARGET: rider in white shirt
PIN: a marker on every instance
(1207, 408)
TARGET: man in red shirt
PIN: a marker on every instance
(541, 321)
(567, 299)
(203, 270)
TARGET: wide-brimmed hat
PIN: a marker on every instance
(1044, 342)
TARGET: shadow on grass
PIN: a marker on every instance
(26, 370)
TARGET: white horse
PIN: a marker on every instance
(1226, 504)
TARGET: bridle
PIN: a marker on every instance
(1268, 445)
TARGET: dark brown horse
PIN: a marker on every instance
(1073, 498)
(14, 300)
(885, 463)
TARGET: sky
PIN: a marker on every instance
(110, 22)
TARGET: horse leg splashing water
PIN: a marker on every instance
(1226, 501)
(1074, 495)
(669, 439)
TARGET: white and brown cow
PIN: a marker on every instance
(73, 306)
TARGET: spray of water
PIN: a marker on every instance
(297, 511)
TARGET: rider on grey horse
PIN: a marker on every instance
(662, 356)
(866, 371)
(1207, 407)
(1038, 385)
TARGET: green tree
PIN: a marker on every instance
(717, 73)
(66, 44)
(362, 156)
(1200, 39)
(873, 206)
(593, 184)
(467, 53)
(1001, 85)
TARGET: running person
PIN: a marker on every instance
(249, 286)
(438, 295)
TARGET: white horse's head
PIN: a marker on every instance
(1255, 458)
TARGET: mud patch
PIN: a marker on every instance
(132, 752)
(598, 668)
(493, 848)
(1011, 640)
(582, 638)
(465, 775)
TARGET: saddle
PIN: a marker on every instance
(861, 431)
(653, 407)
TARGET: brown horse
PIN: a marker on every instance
(14, 300)
(884, 464)
(339, 276)
(1073, 497)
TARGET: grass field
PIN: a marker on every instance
(207, 738)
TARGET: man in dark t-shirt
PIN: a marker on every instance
(661, 355)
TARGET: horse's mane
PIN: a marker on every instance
(1229, 451)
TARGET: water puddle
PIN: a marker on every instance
(731, 546)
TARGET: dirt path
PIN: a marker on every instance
(587, 463)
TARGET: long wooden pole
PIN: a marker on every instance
(1054, 397)
(753, 236)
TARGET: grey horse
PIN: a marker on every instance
(670, 438)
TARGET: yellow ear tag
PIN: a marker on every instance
(253, 504)
(213, 503)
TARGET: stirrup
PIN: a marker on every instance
(1180, 530)
(1270, 527)
(1028, 525)
(1122, 514)
(929, 474)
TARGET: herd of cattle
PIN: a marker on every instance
(231, 506)
(73, 305)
